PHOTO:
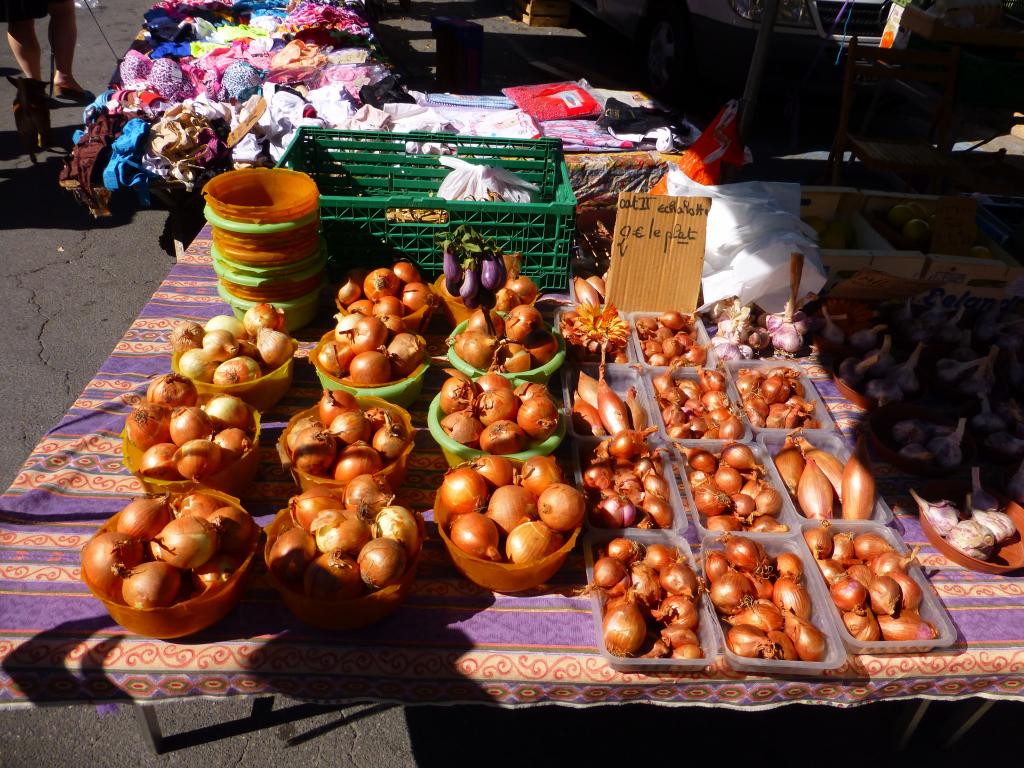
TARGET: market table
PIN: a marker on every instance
(451, 642)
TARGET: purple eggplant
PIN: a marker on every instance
(470, 287)
(491, 272)
(452, 272)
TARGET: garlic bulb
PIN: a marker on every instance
(941, 515)
(946, 448)
(979, 499)
(997, 523)
(972, 538)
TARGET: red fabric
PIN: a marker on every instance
(553, 101)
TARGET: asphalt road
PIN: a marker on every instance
(72, 285)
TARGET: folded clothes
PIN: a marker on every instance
(124, 169)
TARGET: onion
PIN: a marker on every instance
(307, 506)
(346, 536)
(105, 556)
(406, 352)
(350, 291)
(907, 626)
(529, 542)
(144, 517)
(237, 370)
(416, 296)
(185, 336)
(678, 610)
(747, 641)
(521, 321)
(388, 306)
(158, 462)
(744, 554)
(315, 451)
(228, 323)
(541, 345)
(381, 282)
(814, 492)
(789, 565)
(476, 535)
(539, 473)
(370, 368)
(502, 437)
(457, 395)
(820, 542)
(715, 565)
(216, 571)
(463, 427)
(400, 524)
(910, 590)
(762, 614)
(190, 423)
(782, 646)
(235, 530)
(198, 459)
(868, 546)
(463, 491)
(368, 333)
(729, 590)
(357, 459)
(477, 323)
(332, 576)
(363, 307)
(496, 470)
(151, 585)
(147, 425)
(832, 571)
(262, 316)
(297, 428)
(624, 629)
(275, 348)
(499, 405)
(790, 463)
(233, 444)
(382, 562)
(172, 390)
(334, 402)
(198, 505)
(885, 595)
(538, 418)
(791, 597)
(739, 456)
(290, 553)
(679, 579)
(511, 505)
(862, 626)
(187, 542)
(843, 550)
(809, 641)
(849, 595)
(476, 349)
(561, 507)
(227, 411)
(492, 380)
(406, 272)
(350, 427)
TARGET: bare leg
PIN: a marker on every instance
(25, 46)
(63, 35)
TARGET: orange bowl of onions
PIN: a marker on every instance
(344, 559)
(396, 291)
(252, 358)
(343, 436)
(177, 439)
(517, 291)
(508, 525)
(169, 566)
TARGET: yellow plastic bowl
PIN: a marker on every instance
(402, 392)
(454, 309)
(234, 480)
(340, 614)
(393, 473)
(501, 577)
(262, 195)
(298, 312)
(261, 394)
(188, 616)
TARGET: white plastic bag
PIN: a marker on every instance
(468, 181)
(752, 230)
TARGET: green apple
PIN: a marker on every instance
(917, 232)
(900, 215)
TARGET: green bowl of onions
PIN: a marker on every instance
(550, 345)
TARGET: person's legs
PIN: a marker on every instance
(63, 36)
(21, 35)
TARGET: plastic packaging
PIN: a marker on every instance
(538, 375)
(821, 614)
(931, 609)
(402, 392)
(620, 378)
(189, 616)
(705, 631)
(701, 334)
(834, 444)
(261, 394)
(691, 373)
(262, 195)
(582, 448)
(821, 412)
(473, 181)
(787, 516)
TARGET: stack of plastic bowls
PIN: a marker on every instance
(266, 241)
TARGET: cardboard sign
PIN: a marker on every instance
(955, 230)
(657, 253)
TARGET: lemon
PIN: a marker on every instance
(900, 215)
(917, 231)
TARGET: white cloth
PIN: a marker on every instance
(333, 104)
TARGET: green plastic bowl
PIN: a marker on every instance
(534, 375)
(402, 392)
(457, 453)
(237, 270)
(298, 312)
(246, 228)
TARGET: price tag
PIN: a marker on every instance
(955, 229)
(657, 253)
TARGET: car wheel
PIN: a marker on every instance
(667, 50)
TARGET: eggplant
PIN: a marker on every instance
(489, 273)
(452, 272)
(470, 287)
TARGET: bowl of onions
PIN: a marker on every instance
(508, 525)
(470, 418)
(344, 436)
(666, 339)
(522, 346)
(517, 291)
(177, 439)
(372, 356)
(773, 618)
(649, 611)
(171, 565)
(250, 358)
(881, 600)
(397, 291)
(696, 405)
(344, 559)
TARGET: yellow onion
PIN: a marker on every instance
(858, 488)
(528, 542)
(863, 626)
(814, 492)
(809, 641)
(400, 524)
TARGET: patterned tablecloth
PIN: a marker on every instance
(451, 641)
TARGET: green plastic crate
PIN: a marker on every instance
(368, 185)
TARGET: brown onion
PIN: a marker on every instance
(187, 542)
(290, 553)
(908, 625)
(791, 597)
(463, 491)
(910, 590)
(819, 539)
(528, 542)
(457, 395)
(497, 470)
(463, 427)
(151, 585)
(315, 451)
(476, 535)
(868, 546)
(809, 641)
(190, 423)
(744, 553)
(147, 425)
(332, 576)
(715, 565)
(849, 595)
(335, 402)
(105, 556)
(538, 418)
(885, 595)
(503, 437)
(624, 629)
(729, 591)
(357, 459)
(747, 641)
(789, 565)
(198, 459)
(510, 506)
(561, 507)
(382, 562)
(144, 517)
(863, 626)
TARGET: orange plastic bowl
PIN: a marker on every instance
(340, 614)
(262, 195)
(188, 616)
(393, 473)
(271, 292)
(501, 577)
(414, 321)
(280, 248)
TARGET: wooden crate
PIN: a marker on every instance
(544, 13)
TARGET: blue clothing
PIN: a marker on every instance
(124, 168)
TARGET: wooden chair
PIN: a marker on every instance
(930, 157)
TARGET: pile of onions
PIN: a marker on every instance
(229, 351)
(498, 513)
(730, 492)
(775, 398)
(762, 601)
(343, 440)
(512, 342)
(369, 350)
(163, 550)
(670, 339)
(869, 583)
(626, 484)
(397, 291)
(695, 409)
(821, 485)
(651, 608)
(344, 544)
(598, 411)
(492, 416)
(185, 437)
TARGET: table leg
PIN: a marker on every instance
(149, 726)
(958, 725)
(907, 724)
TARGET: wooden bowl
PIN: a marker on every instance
(880, 425)
(1007, 557)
